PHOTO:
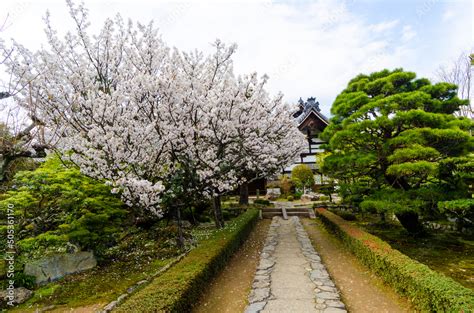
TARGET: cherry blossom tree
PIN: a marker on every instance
(155, 123)
(229, 126)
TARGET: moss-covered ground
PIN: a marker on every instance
(100, 285)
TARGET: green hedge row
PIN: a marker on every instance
(428, 290)
(180, 287)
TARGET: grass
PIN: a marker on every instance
(446, 252)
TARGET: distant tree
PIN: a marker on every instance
(302, 176)
(286, 185)
(22, 133)
(393, 140)
(460, 73)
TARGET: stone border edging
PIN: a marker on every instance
(112, 305)
(260, 293)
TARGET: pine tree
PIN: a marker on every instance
(394, 140)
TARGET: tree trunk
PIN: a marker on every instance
(410, 222)
(180, 228)
(244, 194)
(218, 217)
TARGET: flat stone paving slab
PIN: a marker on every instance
(298, 282)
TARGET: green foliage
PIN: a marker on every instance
(298, 194)
(428, 290)
(290, 198)
(179, 288)
(23, 280)
(324, 198)
(390, 138)
(462, 209)
(56, 205)
(302, 176)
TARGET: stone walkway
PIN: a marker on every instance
(290, 276)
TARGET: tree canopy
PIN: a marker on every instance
(396, 145)
(302, 176)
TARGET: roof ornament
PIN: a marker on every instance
(311, 103)
(305, 109)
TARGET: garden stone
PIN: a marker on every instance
(328, 295)
(255, 307)
(110, 306)
(318, 274)
(265, 264)
(329, 283)
(259, 294)
(320, 306)
(334, 310)
(20, 295)
(327, 288)
(261, 284)
(56, 266)
(335, 303)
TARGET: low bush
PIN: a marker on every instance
(324, 198)
(56, 206)
(262, 201)
(298, 195)
(427, 289)
(180, 287)
(348, 216)
(290, 198)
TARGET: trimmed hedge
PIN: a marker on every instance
(180, 287)
(428, 290)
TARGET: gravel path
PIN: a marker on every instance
(290, 276)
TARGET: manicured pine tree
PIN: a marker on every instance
(396, 144)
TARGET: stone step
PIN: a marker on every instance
(297, 209)
(302, 213)
(298, 213)
(271, 210)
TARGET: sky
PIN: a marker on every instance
(308, 48)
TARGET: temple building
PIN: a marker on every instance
(311, 122)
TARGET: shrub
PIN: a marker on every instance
(290, 198)
(297, 195)
(180, 287)
(428, 290)
(23, 280)
(262, 201)
(324, 198)
(286, 185)
(346, 215)
(56, 204)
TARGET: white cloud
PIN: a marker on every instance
(447, 15)
(384, 26)
(408, 33)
